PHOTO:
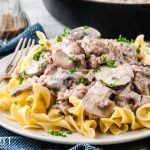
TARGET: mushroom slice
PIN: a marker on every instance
(21, 88)
(120, 76)
(61, 59)
(79, 33)
(97, 100)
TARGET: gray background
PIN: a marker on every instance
(36, 12)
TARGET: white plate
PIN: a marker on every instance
(100, 139)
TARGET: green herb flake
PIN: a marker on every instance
(124, 39)
(72, 58)
(74, 69)
(83, 80)
(109, 63)
(16, 102)
(86, 27)
(97, 69)
(58, 39)
(37, 55)
(69, 132)
(57, 133)
(110, 85)
(21, 76)
(66, 31)
(87, 55)
(138, 50)
(42, 65)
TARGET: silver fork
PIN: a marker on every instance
(20, 51)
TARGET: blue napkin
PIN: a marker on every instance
(30, 32)
(12, 141)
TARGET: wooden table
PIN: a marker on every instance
(37, 13)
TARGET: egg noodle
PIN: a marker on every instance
(33, 108)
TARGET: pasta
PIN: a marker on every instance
(37, 107)
(143, 114)
(119, 121)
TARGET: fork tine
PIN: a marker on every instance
(32, 44)
(19, 56)
(18, 52)
(14, 55)
(28, 46)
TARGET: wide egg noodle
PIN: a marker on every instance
(76, 110)
(119, 121)
(144, 49)
(22, 115)
(41, 98)
(143, 114)
(88, 128)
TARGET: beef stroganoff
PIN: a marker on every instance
(81, 82)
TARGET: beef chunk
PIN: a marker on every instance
(97, 100)
(142, 80)
(63, 106)
(130, 99)
(77, 91)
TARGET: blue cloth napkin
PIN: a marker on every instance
(30, 32)
(12, 141)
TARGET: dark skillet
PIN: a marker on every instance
(111, 19)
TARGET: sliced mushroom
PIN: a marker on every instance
(60, 79)
(79, 33)
(60, 59)
(97, 100)
(73, 48)
(128, 98)
(121, 75)
(21, 88)
(35, 69)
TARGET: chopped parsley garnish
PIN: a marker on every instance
(16, 102)
(108, 62)
(42, 65)
(83, 80)
(138, 50)
(111, 85)
(86, 27)
(124, 39)
(66, 31)
(74, 69)
(58, 38)
(71, 58)
(21, 76)
(58, 133)
(97, 69)
(87, 55)
(37, 55)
